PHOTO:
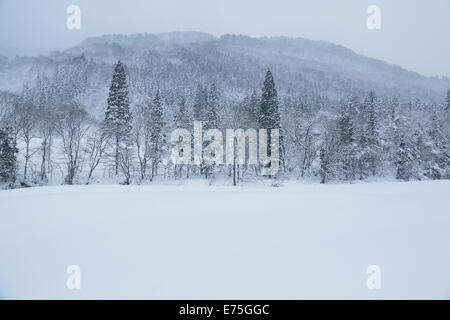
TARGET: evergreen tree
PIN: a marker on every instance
(250, 104)
(269, 115)
(183, 117)
(439, 166)
(183, 120)
(200, 103)
(324, 163)
(372, 129)
(448, 100)
(8, 162)
(372, 133)
(363, 156)
(212, 120)
(406, 155)
(326, 157)
(345, 126)
(422, 153)
(199, 110)
(118, 117)
(393, 105)
(157, 134)
(347, 147)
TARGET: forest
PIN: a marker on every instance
(48, 137)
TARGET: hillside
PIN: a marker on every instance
(180, 60)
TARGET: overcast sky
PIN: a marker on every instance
(414, 33)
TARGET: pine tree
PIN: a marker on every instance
(324, 162)
(326, 153)
(269, 115)
(363, 156)
(406, 155)
(345, 126)
(8, 162)
(347, 148)
(118, 117)
(183, 120)
(199, 110)
(439, 153)
(372, 133)
(212, 120)
(157, 134)
(423, 157)
(250, 106)
(448, 100)
(393, 106)
(200, 103)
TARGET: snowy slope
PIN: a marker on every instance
(195, 241)
(236, 63)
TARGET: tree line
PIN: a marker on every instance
(44, 130)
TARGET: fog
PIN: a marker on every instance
(414, 33)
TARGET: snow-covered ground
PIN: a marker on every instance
(195, 241)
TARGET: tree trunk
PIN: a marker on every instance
(44, 157)
(27, 156)
(234, 163)
(117, 155)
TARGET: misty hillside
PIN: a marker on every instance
(179, 61)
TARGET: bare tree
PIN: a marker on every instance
(27, 124)
(47, 125)
(305, 139)
(141, 134)
(96, 145)
(126, 162)
(72, 128)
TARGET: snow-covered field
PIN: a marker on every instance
(196, 242)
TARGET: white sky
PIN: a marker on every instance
(414, 34)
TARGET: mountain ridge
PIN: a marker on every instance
(236, 63)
